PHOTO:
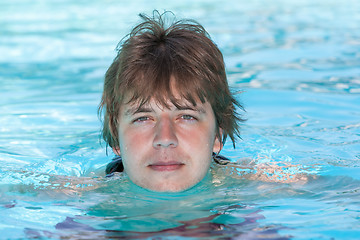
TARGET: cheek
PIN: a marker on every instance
(200, 138)
(134, 146)
(130, 140)
(199, 145)
(129, 147)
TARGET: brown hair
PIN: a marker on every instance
(153, 53)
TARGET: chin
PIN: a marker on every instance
(170, 187)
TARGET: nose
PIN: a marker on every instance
(165, 135)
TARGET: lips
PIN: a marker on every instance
(166, 166)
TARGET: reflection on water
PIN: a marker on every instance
(296, 64)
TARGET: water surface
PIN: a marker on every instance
(296, 64)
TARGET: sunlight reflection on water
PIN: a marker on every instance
(297, 66)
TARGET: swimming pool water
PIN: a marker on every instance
(297, 66)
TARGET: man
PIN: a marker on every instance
(168, 107)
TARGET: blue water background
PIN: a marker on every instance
(296, 65)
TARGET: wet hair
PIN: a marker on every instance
(152, 54)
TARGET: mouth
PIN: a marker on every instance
(166, 166)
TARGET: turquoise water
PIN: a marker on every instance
(297, 64)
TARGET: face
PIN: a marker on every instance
(167, 150)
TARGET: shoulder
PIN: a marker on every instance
(219, 159)
(115, 165)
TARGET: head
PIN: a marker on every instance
(167, 104)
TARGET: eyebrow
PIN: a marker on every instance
(134, 110)
(144, 109)
(196, 109)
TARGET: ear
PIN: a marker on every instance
(218, 143)
(116, 150)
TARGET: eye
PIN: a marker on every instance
(141, 119)
(188, 117)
